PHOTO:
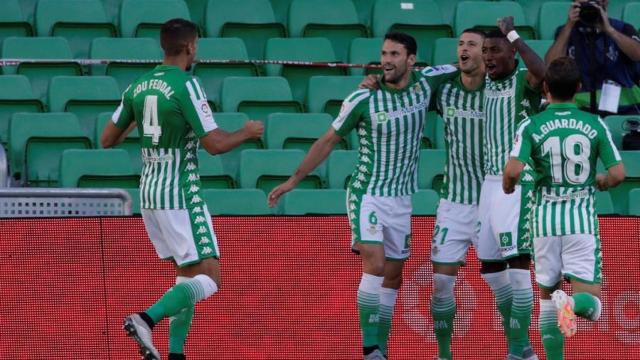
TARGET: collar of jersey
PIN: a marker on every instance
(458, 80)
(562, 105)
(166, 67)
(506, 78)
(413, 78)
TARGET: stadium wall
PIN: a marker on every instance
(288, 292)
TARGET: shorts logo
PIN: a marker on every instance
(382, 117)
(407, 241)
(506, 239)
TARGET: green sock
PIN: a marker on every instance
(552, 338)
(387, 303)
(501, 287)
(369, 307)
(520, 311)
(179, 329)
(181, 296)
(586, 306)
(443, 311)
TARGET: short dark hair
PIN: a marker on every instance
(495, 34)
(474, 31)
(405, 39)
(175, 34)
(562, 78)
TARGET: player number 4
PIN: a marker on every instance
(150, 124)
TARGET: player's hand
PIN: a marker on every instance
(370, 82)
(506, 24)
(254, 129)
(508, 189)
(278, 191)
(604, 24)
(574, 14)
(601, 182)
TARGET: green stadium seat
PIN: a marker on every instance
(12, 21)
(212, 75)
(615, 9)
(539, 46)
(266, 169)
(604, 204)
(552, 15)
(231, 122)
(618, 128)
(236, 202)
(364, 9)
(28, 9)
(15, 96)
(439, 134)
(484, 15)
(428, 140)
(131, 143)
(631, 14)
(315, 202)
(340, 166)
(231, 18)
(36, 142)
(431, 169)
(634, 202)
(105, 168)
(326, 93)
(448, 9)
(620, 194)
(39, 74)
(365, 51)
(79, 21)
(297, 131)
(300, 49)
(425, 202)
(197, 10)
(445, 51)
(532, 11)
(335, 20)
(143, 18)
(112, 9)
(212, 173)
(420, 18)
(85, 96)
(281, 10)
(258, 97)
(124, 49)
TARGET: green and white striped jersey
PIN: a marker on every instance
(389, 123)
(171, 111)
(462, 112)
(507, 102)
(565, 144)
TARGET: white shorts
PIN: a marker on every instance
(381, 219)
(455, 231)
(185, 236)
(576, 257)
(504, 220)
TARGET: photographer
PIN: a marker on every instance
(606, 50)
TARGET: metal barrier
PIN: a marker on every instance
(4, 169)
(44, 202)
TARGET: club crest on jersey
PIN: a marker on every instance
(382, 117)
(417, 88)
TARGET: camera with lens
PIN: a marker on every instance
(589, 13)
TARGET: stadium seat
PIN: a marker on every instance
(364, 9)
(230, 18)
(300, 49)
(326, 93)
(420, 18)
(266, 169)
(281, 10)
(631, 14)
(39, 74)
(28, 9)
(604, 204)
(445, 51)
(425, 202)
(85, 96)
(634, 202)
(335, 20)
(197, 9)
(36, 143)
(212, 173)
(340, 166)
(143, 18)
(620, 194)
(105, 168)
(315, 202)
(615, 8)
(365, 51)
(539, 46)
(431, 169)
(212, 75)
(428, 140)
(439, 134)
(618, 127)
(297, 131)
(79, 21)
(532, 11)
(131, 143)
(124, 49)
(484, 15)
(112, 9)
(448, 9)
(236, 202)
(15, 96)
(552, 15)
(12, 21)
(257, 97)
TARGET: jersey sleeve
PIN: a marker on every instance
(124, 115)
(196, 108)
(607, 150)
(523, 146)
(350, 113)
(436, 76)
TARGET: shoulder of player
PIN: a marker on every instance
(191, 86)
(358, 96)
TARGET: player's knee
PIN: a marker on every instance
(209, 286)
(393, 281)
(492, 267)
(443, 285)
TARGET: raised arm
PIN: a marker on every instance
(628, 45)
(559, 47)
(534, 63)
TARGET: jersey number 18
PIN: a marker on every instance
(576, 149)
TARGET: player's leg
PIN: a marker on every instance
(548, 269)
(443, 307)
(388, 296)
(179, 326)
